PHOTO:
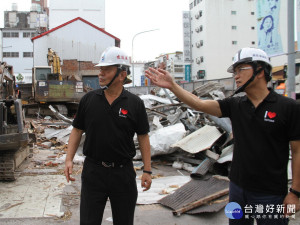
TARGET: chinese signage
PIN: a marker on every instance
(187, 72)
(269, 38)
(259, 211)
(186, 37)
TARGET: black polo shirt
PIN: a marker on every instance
(110, 128)
(261, 141)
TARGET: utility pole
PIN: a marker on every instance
(291, 51)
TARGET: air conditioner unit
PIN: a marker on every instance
(197, 29)
(197, 60)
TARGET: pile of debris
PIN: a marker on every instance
(189, 139)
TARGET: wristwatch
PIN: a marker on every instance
(297, 193)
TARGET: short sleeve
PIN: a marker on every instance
(225, 107)
(78, 121)
(294, 123)
(142, 123)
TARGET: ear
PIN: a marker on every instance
(123, 75)
(261, 74)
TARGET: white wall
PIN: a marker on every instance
(66, 10)
(76, 40)
(20, 44)
(217, 34)
(138, 72)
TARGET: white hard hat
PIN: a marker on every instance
(248, 55)
(114, 56)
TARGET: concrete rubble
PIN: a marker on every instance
(197, 145)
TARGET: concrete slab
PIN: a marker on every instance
(32, 196)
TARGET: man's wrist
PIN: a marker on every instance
(147, 171)
(297, 193)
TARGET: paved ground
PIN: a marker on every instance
(48, 186)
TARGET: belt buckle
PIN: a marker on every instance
(108, 165)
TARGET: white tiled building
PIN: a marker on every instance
(219, 28)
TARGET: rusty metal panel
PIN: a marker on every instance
(58, 91)
(195, 190)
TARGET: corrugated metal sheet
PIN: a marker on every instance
(195, 190)
(199, 140)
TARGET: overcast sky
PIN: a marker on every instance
(125, 18)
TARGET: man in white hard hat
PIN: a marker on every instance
(264, 124)
(110, 117)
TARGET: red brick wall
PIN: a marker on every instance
(73, 67)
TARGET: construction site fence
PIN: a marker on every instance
(190, 86)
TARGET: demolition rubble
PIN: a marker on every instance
(197, 145)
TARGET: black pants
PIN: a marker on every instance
(100, 183)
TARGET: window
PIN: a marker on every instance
(233, 27)
(234, 42)
(6, 34)
(27, 54)
(178, 69)
(26, 34)
(195, 2)
(252, 13)
(198, 1)
(201, 43)
(33, 34)
(11, 54)
(233, 12)
(15, 34)
(10, 34)
(200, 13)
(191, 6)
(201, 59)
(201, 28)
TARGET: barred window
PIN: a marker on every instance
(26, 34)
(15, 34)
(10, 54)
(27, 54)
(6, 34)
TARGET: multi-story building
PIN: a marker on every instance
(174, 64)
(219, 28)
(19, 28)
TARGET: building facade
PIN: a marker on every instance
(17, 48)
(79, 44)
(62, 11)
(219, 28)
(174, 64)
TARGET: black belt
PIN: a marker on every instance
(109, 164)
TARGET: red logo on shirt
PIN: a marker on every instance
(123, 112)
(271, 115)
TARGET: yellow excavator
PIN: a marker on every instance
(14, 137)
(49, 86)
